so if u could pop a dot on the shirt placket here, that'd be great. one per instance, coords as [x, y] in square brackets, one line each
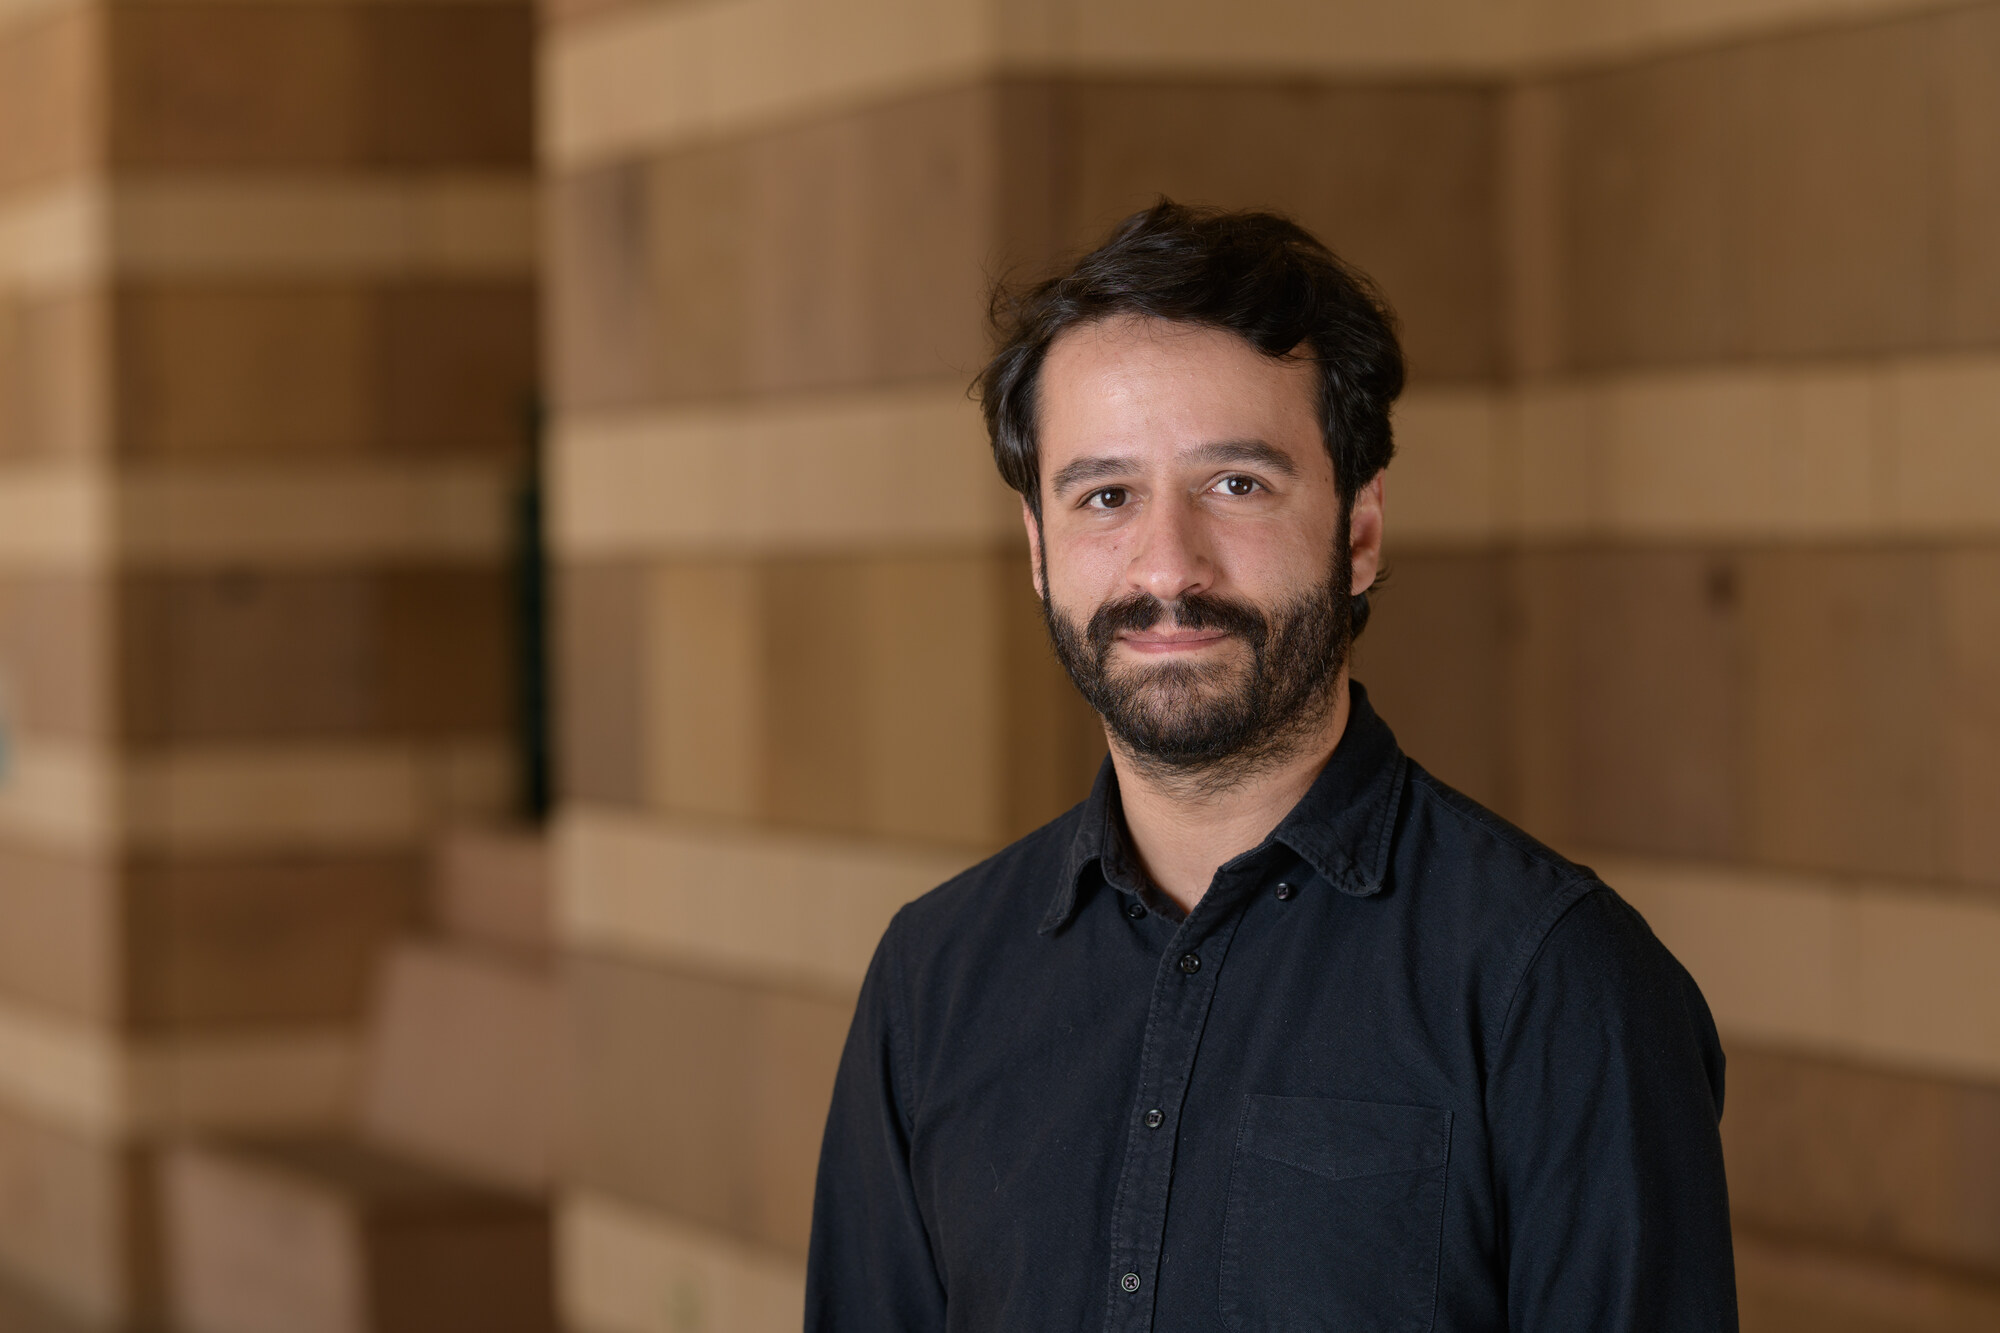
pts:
[1183, 991]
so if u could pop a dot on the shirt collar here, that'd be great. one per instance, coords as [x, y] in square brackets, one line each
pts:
[1342, 826]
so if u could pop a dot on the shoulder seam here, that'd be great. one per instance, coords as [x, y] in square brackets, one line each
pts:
[1472, 812]
[1535, 942]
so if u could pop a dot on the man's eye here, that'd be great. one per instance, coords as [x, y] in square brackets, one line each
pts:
[1111, 497]
[1238, 486]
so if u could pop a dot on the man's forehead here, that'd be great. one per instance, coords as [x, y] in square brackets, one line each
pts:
[1163, 388]
[1134, 336]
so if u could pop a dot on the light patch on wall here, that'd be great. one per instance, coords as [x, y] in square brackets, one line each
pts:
[467, 225]
[1842, 450]
[205, 516]
[1886, 973]
[94, 1079]
[621, 1269]
[754, 902]
[282, 797]
[881, 468]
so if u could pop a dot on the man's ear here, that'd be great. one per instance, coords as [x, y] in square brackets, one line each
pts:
[1034, 527]
[1364, 533]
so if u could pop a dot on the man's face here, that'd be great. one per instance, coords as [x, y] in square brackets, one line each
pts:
[1191, 555]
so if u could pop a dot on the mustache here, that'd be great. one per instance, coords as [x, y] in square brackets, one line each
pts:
[1195, 611]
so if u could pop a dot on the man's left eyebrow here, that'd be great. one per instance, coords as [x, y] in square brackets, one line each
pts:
[1255, 452]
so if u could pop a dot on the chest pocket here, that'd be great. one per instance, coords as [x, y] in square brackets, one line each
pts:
[1334, 1217]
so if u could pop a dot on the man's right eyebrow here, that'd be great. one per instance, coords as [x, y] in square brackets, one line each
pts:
[1091, 469]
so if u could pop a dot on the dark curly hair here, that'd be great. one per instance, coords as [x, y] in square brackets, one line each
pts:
[1258, 275]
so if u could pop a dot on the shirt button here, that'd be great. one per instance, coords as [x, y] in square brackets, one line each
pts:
[1154, 1119]
[1190, 963]
[1285, 892]
[1130, 1282]
[1135, 910]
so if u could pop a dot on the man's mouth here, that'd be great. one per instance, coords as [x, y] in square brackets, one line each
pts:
[1171, 640]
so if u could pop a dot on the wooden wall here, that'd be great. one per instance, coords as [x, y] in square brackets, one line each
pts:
[1694, 538]
[267, 347]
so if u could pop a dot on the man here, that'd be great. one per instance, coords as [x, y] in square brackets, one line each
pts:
[1275, 1031]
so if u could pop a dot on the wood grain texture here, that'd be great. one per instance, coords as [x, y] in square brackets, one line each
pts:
[1815, 193]
[786, 909]
[54, 375]
[51, 96]
[212, 942]
[310, 369]
[701, 1096]
[326, 1236]
[1866, 1157]
[617, 1260]
[465, 1066]
[73, 1228]
[849, 251]
[1785, 1286]
[269, 655]
[59, 946]
[56, 676]
[220, 86]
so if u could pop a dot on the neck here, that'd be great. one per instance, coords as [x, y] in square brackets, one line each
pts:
[1182, 830]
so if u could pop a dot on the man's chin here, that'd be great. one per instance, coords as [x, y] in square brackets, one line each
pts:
[1170, 687]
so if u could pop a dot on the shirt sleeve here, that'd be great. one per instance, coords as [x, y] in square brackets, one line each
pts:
[1603, 1106]
[870, 1268]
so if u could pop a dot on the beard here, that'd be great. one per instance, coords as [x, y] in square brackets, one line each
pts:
[1207, 725]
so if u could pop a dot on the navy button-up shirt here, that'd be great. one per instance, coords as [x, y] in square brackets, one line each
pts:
[1401, 1068]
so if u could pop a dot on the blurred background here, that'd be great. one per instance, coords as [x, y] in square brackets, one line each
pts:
[502, 591]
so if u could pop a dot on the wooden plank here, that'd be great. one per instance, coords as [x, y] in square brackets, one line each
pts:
[326, 1236]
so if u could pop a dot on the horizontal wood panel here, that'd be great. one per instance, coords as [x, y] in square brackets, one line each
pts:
[1706, 212]
[466, 1063]
[163, 945]
[72, 1230]
[700, 1095]
[425, 369]
[261, 656]
[50, 93]
[1785, 1285]
[624, 75]
[900, 695]
[331, 1233]
[854, 470]
[749, 902]
[846, 253]
[291, 225]
[1849, 450]
[295, 797]
[59, 936]
[55, 374]
[84, 1077]
[70, 521]
[219, 87]
[1890, 975]
[1858, 1157]
[627, 1269]
[1821, 708]
[56, 649]
[213, 944]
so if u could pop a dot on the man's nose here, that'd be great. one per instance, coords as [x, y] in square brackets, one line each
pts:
[1172, 558]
